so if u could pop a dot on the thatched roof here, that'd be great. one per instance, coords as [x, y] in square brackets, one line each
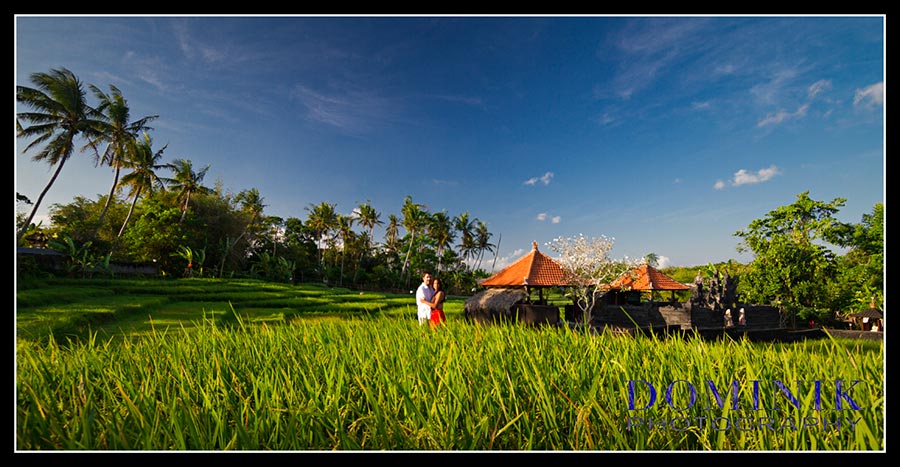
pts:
[647, 278]
[535, 269]
[495, 299]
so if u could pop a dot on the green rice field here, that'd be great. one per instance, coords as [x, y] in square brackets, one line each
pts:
[218, 365]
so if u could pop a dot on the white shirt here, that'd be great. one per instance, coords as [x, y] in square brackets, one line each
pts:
[424, 310]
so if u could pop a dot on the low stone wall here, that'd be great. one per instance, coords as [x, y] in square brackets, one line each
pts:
[629, 316]
[676, 315]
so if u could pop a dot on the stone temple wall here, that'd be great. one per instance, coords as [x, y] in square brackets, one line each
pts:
[680, 315]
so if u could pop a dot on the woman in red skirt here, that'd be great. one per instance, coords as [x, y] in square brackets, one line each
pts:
[437, 303]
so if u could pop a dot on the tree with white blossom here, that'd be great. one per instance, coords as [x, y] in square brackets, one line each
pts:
[588, 268]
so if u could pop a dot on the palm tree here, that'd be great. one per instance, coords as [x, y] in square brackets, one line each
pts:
[392, 231]
[144, 163]
[466, 228]
[345, 232]
[414, 217]
[117, 132]
[186, 182]
[252, 206]
[369, 218]
[482, 241]
[60, 115]
[391, 234]
[321, 220]
[441, 230]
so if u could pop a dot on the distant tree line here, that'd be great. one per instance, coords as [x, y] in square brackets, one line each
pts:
[163, 212]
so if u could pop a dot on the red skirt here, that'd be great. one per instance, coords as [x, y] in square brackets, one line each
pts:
[437, 316]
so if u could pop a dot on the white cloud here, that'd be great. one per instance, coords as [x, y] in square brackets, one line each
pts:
[818, 87]
[607, 119]
[544, 216]
[743, 177]
[782, 115]
[663, 262]
[725, 69]
[768, 95]
[471, 101]
[545, 179]
[344, 106]
[719, 185]
[871, 96]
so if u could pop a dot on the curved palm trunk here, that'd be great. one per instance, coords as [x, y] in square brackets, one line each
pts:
[358, 266]
[229, 247]
[130, 210]
[343, 254]
[109, 197]
[319, 247]
[496, 252]
[37, 203]
[187, 200]
[367, 252]
[412, 238]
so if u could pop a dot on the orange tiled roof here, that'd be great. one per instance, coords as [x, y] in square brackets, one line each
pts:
[534, 269]
[647, 278]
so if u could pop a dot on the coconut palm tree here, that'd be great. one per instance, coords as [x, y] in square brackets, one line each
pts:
[368, 217]
[144, 164]
[117, 132]
[252, 206]
[441, 231]
[482, 241]
[60, 114]
[466, 228]
[186, 183]
[392, 231]
[414, 218]
[321, 220]
[345, 232]
[391, 235]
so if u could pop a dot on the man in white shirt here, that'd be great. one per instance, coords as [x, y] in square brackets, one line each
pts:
[424, 294]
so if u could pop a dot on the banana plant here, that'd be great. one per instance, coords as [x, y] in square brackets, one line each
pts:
[78, 257]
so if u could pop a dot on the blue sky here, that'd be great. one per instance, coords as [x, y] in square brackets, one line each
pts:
[668, 134]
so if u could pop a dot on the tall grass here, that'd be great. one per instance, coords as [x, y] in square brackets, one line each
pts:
[383, 383]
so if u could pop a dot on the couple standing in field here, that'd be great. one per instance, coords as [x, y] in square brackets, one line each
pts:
[430, 300]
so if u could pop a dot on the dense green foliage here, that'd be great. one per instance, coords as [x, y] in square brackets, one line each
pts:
[794, 268]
